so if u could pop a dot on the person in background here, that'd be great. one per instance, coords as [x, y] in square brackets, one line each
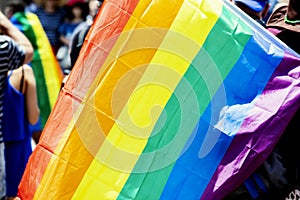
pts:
[15, 50]
[256, 9]
[81, 31]
[93, 7]
[76, 12]
[51, 14]
[20, 109]
[284, 23]
[79, 35]
[30, 6]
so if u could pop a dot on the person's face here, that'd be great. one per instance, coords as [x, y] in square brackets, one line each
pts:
[77, 11]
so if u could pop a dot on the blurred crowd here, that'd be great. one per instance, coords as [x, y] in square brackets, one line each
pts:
[60, 20]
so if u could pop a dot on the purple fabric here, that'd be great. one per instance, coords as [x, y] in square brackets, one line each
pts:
[255, 140]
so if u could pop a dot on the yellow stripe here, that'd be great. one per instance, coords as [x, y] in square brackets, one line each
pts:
[53, 77]
[119, 153]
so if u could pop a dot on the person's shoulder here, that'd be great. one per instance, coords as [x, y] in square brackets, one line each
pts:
[28, 72]
[28, 69]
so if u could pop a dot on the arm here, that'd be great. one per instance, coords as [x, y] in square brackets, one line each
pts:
[33, 111]
[64, 40]
[7, 28]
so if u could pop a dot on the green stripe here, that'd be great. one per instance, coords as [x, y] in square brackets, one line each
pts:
[42, 91]
[218, 46]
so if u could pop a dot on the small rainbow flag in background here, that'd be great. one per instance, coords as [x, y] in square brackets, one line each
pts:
[44, 63]
[168, 100]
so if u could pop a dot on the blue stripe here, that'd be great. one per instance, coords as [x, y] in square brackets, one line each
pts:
[246, 80]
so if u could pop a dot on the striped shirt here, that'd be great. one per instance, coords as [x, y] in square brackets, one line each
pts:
[11, 57]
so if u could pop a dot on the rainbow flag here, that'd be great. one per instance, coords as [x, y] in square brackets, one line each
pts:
[44, 63]
[168, 100]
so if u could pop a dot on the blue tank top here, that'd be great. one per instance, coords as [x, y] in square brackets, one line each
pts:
[15, 123]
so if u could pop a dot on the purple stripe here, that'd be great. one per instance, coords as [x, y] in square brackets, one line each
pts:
[255, 141]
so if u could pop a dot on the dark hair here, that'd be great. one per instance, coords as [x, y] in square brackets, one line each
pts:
[27, 2]
[84, 7]
[16, 6]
